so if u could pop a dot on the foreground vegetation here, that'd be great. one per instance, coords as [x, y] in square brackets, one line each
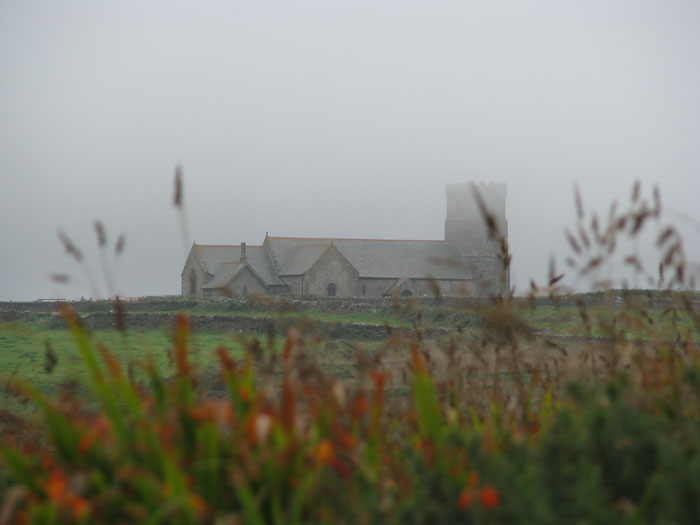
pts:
[422, 434]
[520, 411]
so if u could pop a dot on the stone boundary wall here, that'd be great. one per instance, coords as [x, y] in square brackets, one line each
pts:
[324, 304]
[159, 311]
[249, 325]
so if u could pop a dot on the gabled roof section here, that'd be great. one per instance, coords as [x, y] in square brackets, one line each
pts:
[224, 273]
[303, 258]
[213, 255]
[379, 258]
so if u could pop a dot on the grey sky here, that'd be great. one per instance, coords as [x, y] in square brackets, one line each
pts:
[330, 119]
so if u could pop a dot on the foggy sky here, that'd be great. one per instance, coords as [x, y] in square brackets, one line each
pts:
[317, 118]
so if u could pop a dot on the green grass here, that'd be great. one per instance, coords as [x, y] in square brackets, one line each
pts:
[567, 321]
[23, 351]
[23, 344]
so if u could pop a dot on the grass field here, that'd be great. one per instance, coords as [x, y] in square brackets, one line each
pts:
[27, 344]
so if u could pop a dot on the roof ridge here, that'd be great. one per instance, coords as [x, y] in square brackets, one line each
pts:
[355, 239]
[229, 245]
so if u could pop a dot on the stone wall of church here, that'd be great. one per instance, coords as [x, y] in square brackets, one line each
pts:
[374, 287]
[487, 273]
[188, 278]
[245, 283]
[332, 269]
[424, 287]
[419, 287]
[294, 282]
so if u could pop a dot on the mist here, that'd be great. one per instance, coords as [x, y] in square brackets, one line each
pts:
[327, 120]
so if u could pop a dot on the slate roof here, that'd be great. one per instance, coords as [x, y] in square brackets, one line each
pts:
[224, 273]
[303, 258]
[378, 258]
[213, 255]
[373, 258]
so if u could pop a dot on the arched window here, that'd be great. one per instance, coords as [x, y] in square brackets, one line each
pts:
[193, 282]
[332, 290]
[406, 293]
[245, 290]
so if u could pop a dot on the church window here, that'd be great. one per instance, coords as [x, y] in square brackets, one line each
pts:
[406, 293]
[332, 290]
[364, 289]
[193, 282]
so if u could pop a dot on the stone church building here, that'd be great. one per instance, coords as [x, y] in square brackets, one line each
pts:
[465, 263]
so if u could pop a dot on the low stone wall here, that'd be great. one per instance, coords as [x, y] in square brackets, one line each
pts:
[12, 315]
[246, 324]
[284, 303]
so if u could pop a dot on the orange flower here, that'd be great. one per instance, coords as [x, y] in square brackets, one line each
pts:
[324, 452]
[345, 438]
[489, 497]
[465, 498]
[56, 486]
[80, 507]
[197, 503]
[360, 405]
[86, 442]
[217, 411]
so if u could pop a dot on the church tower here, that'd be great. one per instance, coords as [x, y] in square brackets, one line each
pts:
[465, 225]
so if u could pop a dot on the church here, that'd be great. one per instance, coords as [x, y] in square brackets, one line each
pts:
[466, 262]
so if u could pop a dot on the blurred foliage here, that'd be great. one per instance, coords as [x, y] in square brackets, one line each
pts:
[297, 446]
